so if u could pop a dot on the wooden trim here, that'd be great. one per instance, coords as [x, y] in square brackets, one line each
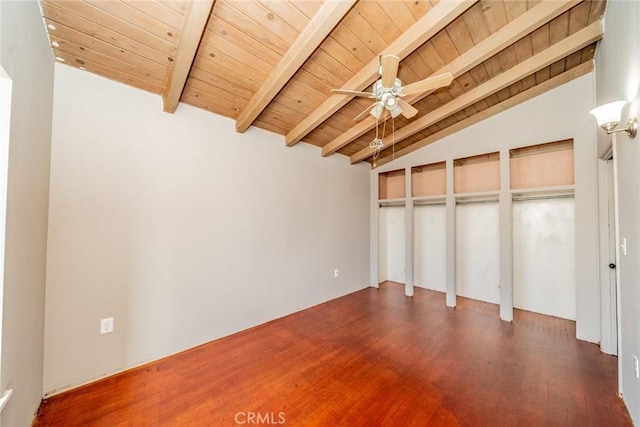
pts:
[323, 22]
[430, 24]
[195, 22]
[543, 87]
[396, 172]
[480, 158]
[429, 167]
[509, 34]
[548, 56]
[547, 147]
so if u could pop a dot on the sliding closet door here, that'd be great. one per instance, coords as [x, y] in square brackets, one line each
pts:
[391, 244]
[544, 256]
[430, 247]
[478, 251]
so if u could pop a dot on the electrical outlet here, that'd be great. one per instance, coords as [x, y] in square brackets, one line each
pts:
[636, 368]
[623, 246]
[336, 273]
[106, 325]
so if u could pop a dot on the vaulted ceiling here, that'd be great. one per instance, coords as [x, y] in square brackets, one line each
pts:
[273, 63]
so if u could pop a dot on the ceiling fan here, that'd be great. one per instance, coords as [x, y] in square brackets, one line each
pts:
[388, 90]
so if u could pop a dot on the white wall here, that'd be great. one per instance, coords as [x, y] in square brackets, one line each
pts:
[183, 230]
[562, 113]
[26, 57]
[618, 78]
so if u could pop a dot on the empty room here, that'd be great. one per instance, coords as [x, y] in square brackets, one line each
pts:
[319, 212]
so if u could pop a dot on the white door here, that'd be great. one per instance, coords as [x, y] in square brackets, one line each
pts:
[478, 251]
[391, 244]
[608, 289]
[544, 256]
[430, 247]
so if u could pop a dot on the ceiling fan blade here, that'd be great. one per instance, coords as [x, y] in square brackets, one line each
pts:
[377, 110]
[389, 65]
[365, 112]
[352, 92]
[431, 83]
[408, 110]
[396, 111]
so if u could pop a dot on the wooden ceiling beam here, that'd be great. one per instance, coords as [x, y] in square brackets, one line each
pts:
[532, 92]
[195, 22]
[555, 52]
[320, 26]
[433, 21]
[509, 34]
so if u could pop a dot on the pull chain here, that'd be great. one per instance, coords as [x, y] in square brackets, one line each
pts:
[393, 138]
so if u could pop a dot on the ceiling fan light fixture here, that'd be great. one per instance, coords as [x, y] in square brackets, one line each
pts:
[397, 87]
[388, 90]
[396, 111]
[390, 102]
[377, 90]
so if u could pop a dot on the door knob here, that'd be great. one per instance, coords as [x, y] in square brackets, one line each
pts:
[612, 265]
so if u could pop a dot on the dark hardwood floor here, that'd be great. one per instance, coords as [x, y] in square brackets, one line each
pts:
[372, 358]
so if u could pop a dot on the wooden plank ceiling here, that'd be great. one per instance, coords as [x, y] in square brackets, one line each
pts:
[272, 63]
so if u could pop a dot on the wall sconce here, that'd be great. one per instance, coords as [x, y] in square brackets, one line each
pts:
[608, 117]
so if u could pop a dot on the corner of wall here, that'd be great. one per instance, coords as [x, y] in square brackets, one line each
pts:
[26, 56]
[618, 78]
